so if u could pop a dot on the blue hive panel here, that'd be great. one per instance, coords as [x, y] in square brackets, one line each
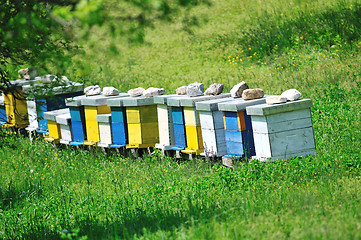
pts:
[3, 117]
[78, 131]
[233, 136]
[231, 121]
[119, 133]
[247, 120]
[118, 114]
[177, 115]
[179, 135]
[41, 107]
[76, 113]
[58, 101]
[248, 143]
[234, 148]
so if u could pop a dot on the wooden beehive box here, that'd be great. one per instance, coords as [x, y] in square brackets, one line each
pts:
[3, 117]
[238, 127]
[142, 122]
[94, 105]
[211, 119]
[47, 99]
[167, 136]
[105, 130]
[284, 130]
[64, 122]
[188, 122]
[54, 127]
[118, 122]
[77, 119]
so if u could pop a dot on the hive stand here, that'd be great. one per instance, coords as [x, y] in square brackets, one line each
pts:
[213, 135]
[64, 122]
[167, 138]
[51, 99]
[188, 120]
[238, 127]
[3, 117]
[284, 130]
[94, 105]
[105, 130]
[142, 122]
[54, 128]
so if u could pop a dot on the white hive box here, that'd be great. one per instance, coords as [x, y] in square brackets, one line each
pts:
[64, 121]
[284, 130]
[105, 130]
[211, 120]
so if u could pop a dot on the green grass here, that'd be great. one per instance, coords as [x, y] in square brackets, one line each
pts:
[313, 46]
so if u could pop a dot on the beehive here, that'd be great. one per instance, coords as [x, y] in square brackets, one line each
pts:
[47, 99]
[187, 120]
[64, 122]
[118, 123]
[105, 130]
[15, 105]
[94, 105]
[284, 130]
[167, 139]
[3, 117]
[142, 122]
[54, 127]
[77, 120]
[238, 127]
[213, 133]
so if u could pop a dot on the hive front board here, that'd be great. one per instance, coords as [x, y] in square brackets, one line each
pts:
[64, 121]
[165, 122]
[94, 105]
[284, 130]
[211, 120]
[186, 119]
[54, 127]
[142, 122]
[238, 127]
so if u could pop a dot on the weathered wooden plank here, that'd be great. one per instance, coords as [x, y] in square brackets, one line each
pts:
[64, 119]
[98, 100]
[260, 125]
[165, 123]
[239, 104]
[265, 109]
[163, 99]
[32, 114]
[211, 105]
[104, 118]
[214, 142]
[65, 131]
[105, 133]
[137, 101]
[51, 115]
[187, 101]
[211, 120]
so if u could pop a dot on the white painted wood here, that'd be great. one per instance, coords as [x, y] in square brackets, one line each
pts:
[286, 116]
[105, 133]
[165, 123]
[211, 120]
[32, 114]
[288, 142]
[262, 145]
[98, 100]
[239, 104]
[65, 131]
[214, 142]
[51, 115]
[137, 101]
[104, 118]
[261, 126]
[64, 119]
[288, 155]
[265, 109]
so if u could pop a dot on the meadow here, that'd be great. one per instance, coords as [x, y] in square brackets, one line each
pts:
[313, 46]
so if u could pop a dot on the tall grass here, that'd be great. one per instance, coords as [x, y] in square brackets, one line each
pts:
[48, 193]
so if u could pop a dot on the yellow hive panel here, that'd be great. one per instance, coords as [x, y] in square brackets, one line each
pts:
[224, 121]
[16, 109]
[54, 129]
[90, 113]
[194, 137]
[148, 114]
[241, 121]
[103, 109]
[133, 114]
[134, 133]
[92, 131]
[191, 117]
